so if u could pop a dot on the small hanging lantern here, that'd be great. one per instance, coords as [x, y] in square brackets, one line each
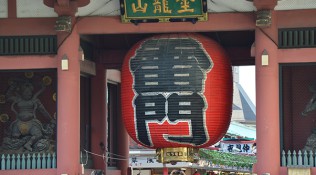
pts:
[176, 94]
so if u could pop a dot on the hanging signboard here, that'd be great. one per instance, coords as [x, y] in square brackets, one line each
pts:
[247, 147]
[139, 11]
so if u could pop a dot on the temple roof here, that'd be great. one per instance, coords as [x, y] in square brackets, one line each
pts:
[30, 8]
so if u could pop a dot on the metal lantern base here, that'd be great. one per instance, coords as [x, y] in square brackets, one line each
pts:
[179, 154]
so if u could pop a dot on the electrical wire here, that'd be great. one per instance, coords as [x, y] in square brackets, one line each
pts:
[108, 157]
[267, 36]
[115, 154]
[72, 27]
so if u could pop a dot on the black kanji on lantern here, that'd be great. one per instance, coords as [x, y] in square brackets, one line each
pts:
[169, 65]
[169, 76]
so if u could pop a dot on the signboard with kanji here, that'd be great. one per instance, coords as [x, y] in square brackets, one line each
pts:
[247, 147]
[138, 11]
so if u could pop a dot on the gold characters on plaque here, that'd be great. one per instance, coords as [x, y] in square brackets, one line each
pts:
[161, 7]
[177, 154]
[185, 6]
[140, 7]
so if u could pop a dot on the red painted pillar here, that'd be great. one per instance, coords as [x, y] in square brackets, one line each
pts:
[267, 101]
[98, 116]
[123, 144]
[165, 171]
[68, 118]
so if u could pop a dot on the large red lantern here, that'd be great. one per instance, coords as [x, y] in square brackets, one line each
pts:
[176, 91]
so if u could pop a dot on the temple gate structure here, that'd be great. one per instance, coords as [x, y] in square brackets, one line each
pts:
[60, 63]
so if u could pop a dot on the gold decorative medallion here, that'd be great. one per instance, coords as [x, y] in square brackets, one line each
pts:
[24, 128]
[47, 80]
[179, 154]
[2, 99]
[29, 74]
[55, 97]
[4, 118]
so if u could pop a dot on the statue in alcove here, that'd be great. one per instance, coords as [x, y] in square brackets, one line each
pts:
[26, 132]
[311, 106]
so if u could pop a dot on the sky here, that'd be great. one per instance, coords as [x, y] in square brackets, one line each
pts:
[247, 79]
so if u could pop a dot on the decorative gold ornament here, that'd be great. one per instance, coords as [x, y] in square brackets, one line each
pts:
[180, 154]
[29, 74]
[55, 97]
[47, 80]
[24, 128]
[4, 118]
[2, 99]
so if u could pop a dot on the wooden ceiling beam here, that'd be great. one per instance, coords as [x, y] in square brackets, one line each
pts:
[216, 22]
[240, 56]
[114, 58]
